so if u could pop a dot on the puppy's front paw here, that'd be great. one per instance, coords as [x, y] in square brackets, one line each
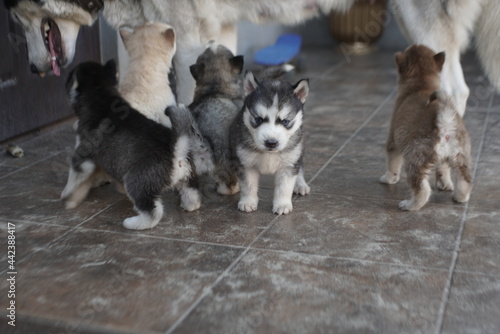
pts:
[408, 205]
[302, 189]
[283, 208]
[445, 185]
[190, 199]
[461, 198]
[70, 204]
[248, 204]
[389, 178]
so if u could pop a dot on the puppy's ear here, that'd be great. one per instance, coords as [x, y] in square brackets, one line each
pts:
[401, 61]
[169, 36]
[439, 60]
[237, 64]
[249, 83]
[125, 35]
[197, 71]
[301, 89]
[110, 68]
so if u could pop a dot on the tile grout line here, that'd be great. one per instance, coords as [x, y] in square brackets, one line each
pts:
[208, 290]
[447, 289]
[341, 148]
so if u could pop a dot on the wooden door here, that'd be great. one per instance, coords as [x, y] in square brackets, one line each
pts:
[28, 102]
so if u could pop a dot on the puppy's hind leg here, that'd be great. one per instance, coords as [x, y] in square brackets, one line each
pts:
[190, 195]
[418, 180]
[394, 163]
[284, 182]
[301, 187]
[145, 193]
[79, 183]
[464, 182]
[227, 182]
[443, 177]
[150, 213]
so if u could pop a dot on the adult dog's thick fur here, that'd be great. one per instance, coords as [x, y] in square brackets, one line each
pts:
[195, 23]
[447, 25]
[140, 154]
[426, 131]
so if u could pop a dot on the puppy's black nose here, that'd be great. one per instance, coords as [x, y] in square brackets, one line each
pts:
[33, 68]
[271, 143]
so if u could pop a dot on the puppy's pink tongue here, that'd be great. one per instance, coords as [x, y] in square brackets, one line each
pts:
[55, 66]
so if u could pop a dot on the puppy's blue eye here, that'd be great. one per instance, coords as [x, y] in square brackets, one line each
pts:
[258, 120]
[285, 122]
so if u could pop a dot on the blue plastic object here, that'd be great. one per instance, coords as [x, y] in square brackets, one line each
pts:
[286, 48]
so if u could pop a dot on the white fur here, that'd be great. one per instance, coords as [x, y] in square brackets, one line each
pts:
[181, 166]
[418, 200]
[195, 22]
[190, 199]
[144, 220]
[145, 85]
[78, 185]
[426, 22]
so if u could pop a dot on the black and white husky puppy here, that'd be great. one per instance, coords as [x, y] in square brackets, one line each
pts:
[142, 155]
[266, 138]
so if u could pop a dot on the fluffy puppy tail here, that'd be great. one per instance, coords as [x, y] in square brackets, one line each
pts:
[487, 34]
[184, 124]
[182, 120]
[274, 72]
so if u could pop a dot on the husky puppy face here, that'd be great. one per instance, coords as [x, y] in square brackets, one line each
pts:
[273, 111]
[51, 29]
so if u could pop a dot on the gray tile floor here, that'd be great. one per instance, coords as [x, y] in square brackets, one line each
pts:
[346, 260]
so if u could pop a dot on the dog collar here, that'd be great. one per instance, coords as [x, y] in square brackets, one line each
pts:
[91, 6]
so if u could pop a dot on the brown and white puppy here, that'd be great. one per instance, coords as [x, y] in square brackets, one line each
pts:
[426, 131]
[145, 86]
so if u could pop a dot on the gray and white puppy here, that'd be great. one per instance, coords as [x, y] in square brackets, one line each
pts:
[267, 138]
[217, 100]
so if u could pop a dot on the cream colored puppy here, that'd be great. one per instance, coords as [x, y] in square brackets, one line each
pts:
[145, 86]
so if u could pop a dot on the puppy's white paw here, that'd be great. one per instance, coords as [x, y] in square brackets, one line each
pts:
[302, 189]
[408, 205]
[461, 198]
[248, 204]
[445, 185]
[190, 199]
[223, 189]
[389, 178]
[283, 208]
[139, 222]
[71, 205]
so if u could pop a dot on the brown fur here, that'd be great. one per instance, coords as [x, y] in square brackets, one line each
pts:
[426, 131]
